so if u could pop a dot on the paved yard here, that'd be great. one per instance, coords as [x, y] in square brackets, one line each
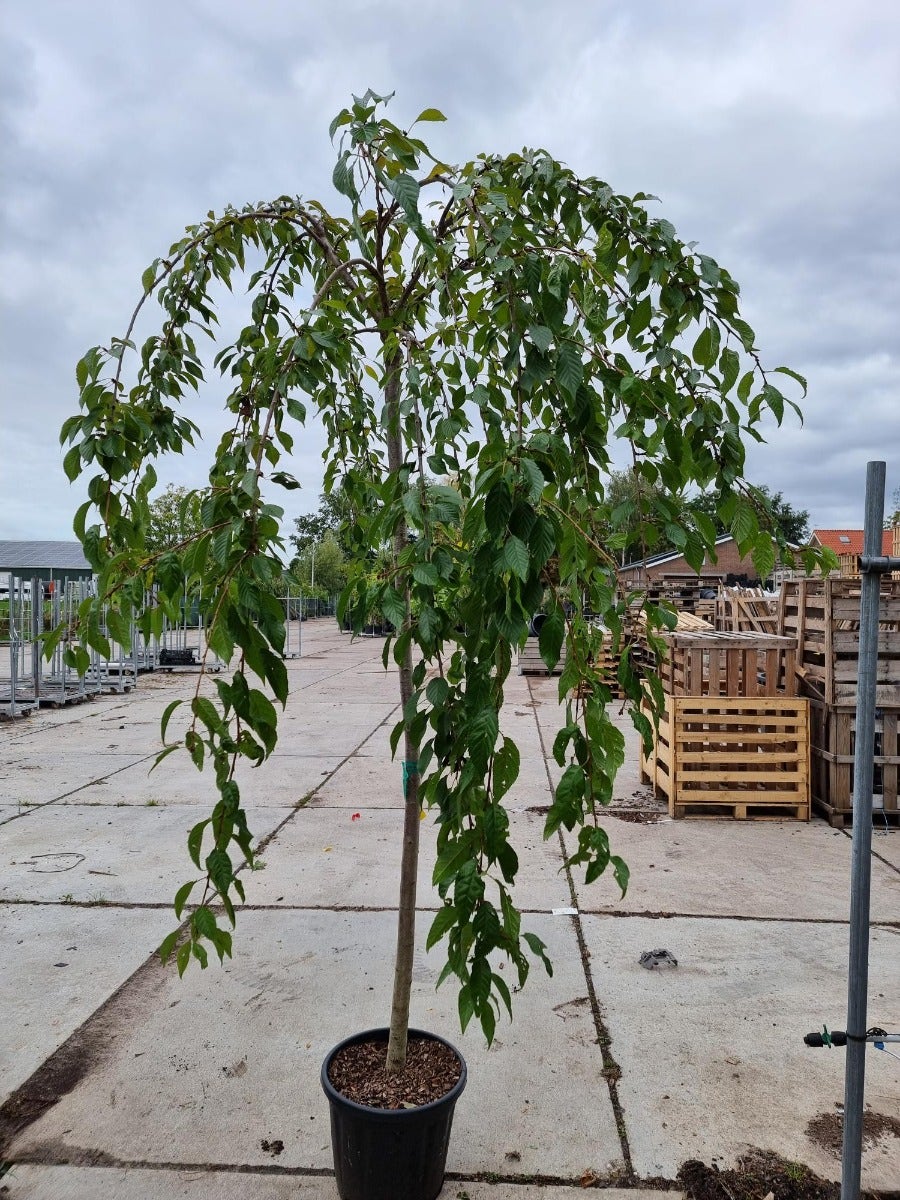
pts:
[119, 1080]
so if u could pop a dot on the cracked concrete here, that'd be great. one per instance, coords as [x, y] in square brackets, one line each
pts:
[122, 1081]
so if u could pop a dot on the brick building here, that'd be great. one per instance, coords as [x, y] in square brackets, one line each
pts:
[729, 566]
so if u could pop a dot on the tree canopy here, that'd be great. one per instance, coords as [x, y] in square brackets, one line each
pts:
[501, 323]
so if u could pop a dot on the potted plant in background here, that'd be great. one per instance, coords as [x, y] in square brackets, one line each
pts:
[496, 327]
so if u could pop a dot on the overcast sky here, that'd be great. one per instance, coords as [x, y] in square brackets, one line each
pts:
[770, 132]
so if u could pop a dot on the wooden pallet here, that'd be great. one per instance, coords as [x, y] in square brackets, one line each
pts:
[833, 744]
[740, 756]
[746, 610]
[531, 663]
[840, 818]
[743, 812]
[729, 664]
[823, 614]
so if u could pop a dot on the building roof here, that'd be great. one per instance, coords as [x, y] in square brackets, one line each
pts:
[656, 560]
[60, 558]
[848, 541]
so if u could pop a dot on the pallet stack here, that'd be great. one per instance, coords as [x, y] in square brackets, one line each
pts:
[733, 739]
[823, 614]
[745, 610]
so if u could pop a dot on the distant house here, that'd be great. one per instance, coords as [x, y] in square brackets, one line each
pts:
[48, 561]
[847, 541]
[847, 544]
[729, 566]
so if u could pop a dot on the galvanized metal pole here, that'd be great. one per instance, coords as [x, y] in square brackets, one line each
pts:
[861, 870]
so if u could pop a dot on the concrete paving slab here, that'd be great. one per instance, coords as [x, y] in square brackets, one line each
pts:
[281, 783]
[715, 1062]
[115, 1183]
[887, 846]
[787, 869]
[65, 853]
[66, 962]
[41, 779]
[226, 1057]
[324, 858]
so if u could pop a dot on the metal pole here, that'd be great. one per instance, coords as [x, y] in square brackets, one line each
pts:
[861, 869]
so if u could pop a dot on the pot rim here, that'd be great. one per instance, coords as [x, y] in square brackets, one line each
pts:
[392, 1114]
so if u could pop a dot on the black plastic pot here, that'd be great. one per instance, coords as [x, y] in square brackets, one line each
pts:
[537, 624]
[390, 1154]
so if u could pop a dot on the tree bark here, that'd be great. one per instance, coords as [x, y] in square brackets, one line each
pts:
[409, 866]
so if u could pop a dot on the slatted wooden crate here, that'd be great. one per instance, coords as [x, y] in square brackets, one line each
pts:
[728, 664]
[531, 663]
[736, 757]
[823, 614]
[744, 610]
[833, 743]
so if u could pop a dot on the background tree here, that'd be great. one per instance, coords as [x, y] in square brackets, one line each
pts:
[501, 323]
[334, 515]
[321, 567]
[791, 523]
[173, 518]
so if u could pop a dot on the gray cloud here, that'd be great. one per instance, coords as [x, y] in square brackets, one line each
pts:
[769, 132]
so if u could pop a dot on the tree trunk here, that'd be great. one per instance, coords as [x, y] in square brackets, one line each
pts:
[409, 866]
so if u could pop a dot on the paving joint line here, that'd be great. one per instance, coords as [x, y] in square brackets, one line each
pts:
[152, 905]
[612, 1072]
[848, 833]
[33, 808]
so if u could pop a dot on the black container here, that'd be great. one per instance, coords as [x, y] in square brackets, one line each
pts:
[537, 624]
[390, 1154]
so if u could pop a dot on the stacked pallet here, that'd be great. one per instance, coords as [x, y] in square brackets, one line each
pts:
[823, 614]
[744, 610]
[733, 739]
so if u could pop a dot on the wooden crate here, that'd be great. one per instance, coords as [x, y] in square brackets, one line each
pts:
[744, 610]
[531, 663]
[833, 743]
[823, 614]
[729, 664]
[733, 756]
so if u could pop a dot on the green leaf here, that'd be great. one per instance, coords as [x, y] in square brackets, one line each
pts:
[342, 177]
[405, 191]
[183, 957]
[793, 374]
[426, 573]
[539, 949]
[730, 366]
[466, 1005]
[542, 540]
[542, 337]
[706, 347]
[550, 638]
[72, 464]
[621, 872]
[515, 556]
[437, 692]
[506, 767]
[168, 945]
[641, 317]
[482, 731]
[181, 898]
[445, 919]
[569, 369]
[430, 114]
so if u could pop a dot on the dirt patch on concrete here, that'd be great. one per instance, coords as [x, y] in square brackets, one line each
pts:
[755, 1177]
[827, 1130]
